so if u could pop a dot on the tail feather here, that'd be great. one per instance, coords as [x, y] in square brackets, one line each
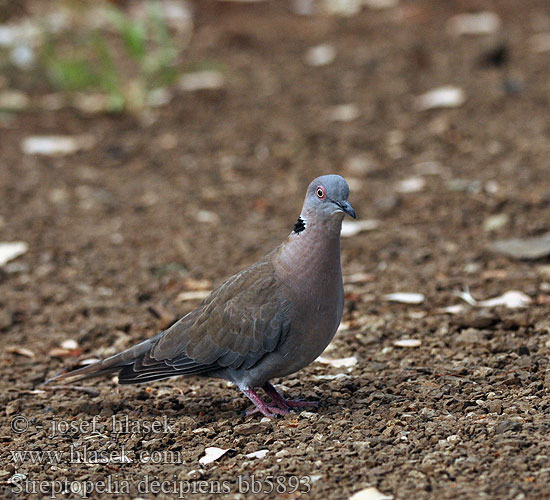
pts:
[106, 366]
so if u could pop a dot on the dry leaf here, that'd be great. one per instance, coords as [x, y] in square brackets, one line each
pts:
[512, 299]
[370, 493]
[193, 295]
[351, 228]
[405, 297]
[408, 343]
[338, 363]
[257, 454]
[212, 454]
[22, 351]
[442, 97]
[11, 250]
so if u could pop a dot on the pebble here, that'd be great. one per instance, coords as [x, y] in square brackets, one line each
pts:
[344, 113]
[495, 222]
[13, 100]
[320, 55]
[248, 429]
[469, 336]
[523, 248]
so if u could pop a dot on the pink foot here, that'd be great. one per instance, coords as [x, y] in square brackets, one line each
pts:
[281, 402]
[262, 407]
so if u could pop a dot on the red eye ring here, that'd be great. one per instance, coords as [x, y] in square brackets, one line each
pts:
[320, 192]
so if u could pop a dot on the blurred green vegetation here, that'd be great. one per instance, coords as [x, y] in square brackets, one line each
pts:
[124, 60]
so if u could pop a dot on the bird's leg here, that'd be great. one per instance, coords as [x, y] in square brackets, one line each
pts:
[261, 405]
[281, 402]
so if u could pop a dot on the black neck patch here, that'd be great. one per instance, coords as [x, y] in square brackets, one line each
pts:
[299, 226]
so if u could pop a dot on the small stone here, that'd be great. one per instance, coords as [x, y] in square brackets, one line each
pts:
[344, 113]
[495, 222]
[526, 248]
[248, 429]
[13, 100]
[320, 55]
[469, 336]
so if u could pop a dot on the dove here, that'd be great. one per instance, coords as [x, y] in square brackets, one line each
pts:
[268, 321]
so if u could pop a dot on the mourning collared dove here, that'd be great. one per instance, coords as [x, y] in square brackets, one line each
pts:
[268, 321]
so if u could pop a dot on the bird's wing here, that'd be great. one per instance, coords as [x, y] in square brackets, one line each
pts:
[235, 326]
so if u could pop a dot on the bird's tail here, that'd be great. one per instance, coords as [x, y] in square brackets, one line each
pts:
[105, 366]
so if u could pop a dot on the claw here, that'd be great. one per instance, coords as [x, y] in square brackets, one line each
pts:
[281, 402]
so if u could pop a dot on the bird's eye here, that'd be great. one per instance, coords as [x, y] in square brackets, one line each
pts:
[320, 192]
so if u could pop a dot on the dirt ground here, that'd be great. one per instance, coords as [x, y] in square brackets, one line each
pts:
[203, 187]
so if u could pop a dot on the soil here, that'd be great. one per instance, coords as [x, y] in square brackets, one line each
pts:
[193, 192]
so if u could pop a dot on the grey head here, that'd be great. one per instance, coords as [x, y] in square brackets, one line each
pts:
[327, 197]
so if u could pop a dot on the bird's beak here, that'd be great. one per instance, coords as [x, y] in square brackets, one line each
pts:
[347, 208]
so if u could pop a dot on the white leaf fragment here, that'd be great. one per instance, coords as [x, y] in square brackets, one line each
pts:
[344, 8]
[344, 113]
[442, 97]
[512, 299]
[338, 363]
[22, 351]
[193, 295]
[370, 494]
[405, 297]
[381, 4]
[257, 454]
[11, 250]
[56, 144]
[211, 454]
[411, 185]
[14, 100]
[407, 343]
[332, 377]
[201, 80]
[456, 309]
[320, 55]
[351, 228]
[477, 23]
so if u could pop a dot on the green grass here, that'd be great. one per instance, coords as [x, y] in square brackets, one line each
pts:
[124, 62]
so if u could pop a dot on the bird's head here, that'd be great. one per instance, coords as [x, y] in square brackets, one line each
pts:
[327, 197]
